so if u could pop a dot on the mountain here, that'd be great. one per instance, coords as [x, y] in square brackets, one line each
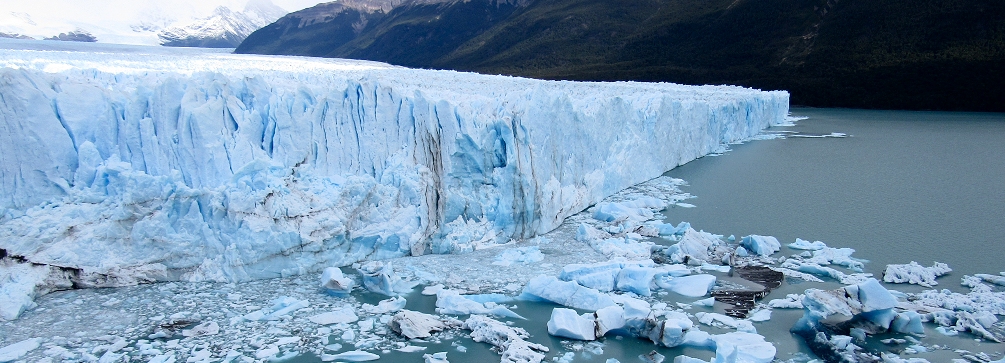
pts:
[224, 29]
[150, 22]
[896, 54]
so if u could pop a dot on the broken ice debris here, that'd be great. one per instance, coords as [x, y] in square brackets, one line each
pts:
[522, 255]
[453, 303]
[412, 324]
[342, 315]
[356, 356]
[913, 273]
[379, 277]
[440, 357]
[281, 306]
[510, 341]
[17, 350]
[334, 282]
[386, 306]
[691, 286]
[801, 244]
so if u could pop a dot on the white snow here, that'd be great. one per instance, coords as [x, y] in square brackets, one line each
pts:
[244, 167]
[129, 22]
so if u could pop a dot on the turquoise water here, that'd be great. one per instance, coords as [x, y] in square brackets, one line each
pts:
[904, 186]
[901, 187]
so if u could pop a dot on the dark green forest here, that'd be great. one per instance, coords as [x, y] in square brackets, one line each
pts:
[886, 54]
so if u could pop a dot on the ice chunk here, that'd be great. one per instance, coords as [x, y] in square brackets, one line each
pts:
[281, 306]
[868, 301]
[638, 210]
[508, 340]
[356, 356]
[670, 332]
[760, 315]
[440, 357]
[568, 324]
[699, 246]
[204, 329]
[17, 350]
[566, 293]
[600, 276]
[342, 315]
[742, 347]
[636, 279]
[522, 255]
[452, 302]
[412, 324]
[791, 301]
[607, 319]
[333, 281]
[692, 286]
[386, 306]
[761, 245]
[913, 273]
[908, 322]
[705, 302]
[380, 277]
[801, 244]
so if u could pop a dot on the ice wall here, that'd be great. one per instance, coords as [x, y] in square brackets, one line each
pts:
[129, 167]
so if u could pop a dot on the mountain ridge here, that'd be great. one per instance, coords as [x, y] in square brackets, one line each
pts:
[899, 54]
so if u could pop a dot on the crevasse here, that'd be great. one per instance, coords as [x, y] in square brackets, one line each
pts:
[132, 167]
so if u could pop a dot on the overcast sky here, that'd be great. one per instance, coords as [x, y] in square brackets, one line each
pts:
[90, 8]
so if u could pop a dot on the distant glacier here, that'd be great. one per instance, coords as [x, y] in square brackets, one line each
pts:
[127, 167]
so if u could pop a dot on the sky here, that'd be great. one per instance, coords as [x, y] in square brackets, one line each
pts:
[110, 20]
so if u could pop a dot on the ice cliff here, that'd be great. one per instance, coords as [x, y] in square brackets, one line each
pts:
[130, 167]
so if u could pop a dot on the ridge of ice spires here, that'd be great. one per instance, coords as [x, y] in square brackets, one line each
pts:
[139, 167]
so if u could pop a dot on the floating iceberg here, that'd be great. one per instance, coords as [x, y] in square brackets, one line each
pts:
[220, 167]
[913, 273]
[510, 341]
[761, 245]
[333, 281]
[412, 324]
[566, 293]
[567, 323]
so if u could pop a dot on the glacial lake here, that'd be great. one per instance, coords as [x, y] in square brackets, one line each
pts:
[899, 186]
[902, 186]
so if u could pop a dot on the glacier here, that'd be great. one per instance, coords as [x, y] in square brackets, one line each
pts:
[126, 166]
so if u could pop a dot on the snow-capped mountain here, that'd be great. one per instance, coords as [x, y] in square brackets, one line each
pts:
[225, 28]
[221, 23]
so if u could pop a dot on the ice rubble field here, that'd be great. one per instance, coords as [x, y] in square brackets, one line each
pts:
[123, 167]
[374, 311]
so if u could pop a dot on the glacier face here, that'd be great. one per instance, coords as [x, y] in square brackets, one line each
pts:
[130, 167]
